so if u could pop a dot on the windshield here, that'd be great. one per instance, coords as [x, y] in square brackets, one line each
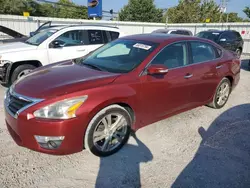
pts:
[209, 35]
[119, 56]
[41, 36]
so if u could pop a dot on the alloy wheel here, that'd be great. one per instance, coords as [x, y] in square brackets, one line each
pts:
[110, 132]
[223, 93]
[24, 72]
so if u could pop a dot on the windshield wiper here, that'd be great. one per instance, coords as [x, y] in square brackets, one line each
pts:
[93, 66]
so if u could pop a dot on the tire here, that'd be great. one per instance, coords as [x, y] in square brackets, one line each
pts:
[19, 70]
[96, 147]
[238, 52]
[215, 103]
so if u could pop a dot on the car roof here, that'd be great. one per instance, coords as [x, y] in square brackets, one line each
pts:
[217, 31]
[160, 38]
[166, 30]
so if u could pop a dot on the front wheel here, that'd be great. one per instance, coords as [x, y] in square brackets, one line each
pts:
[221, 95]
[108, 131]
[238, 52]
[20, 71]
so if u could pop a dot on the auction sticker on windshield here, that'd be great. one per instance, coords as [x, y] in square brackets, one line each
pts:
[142, 46]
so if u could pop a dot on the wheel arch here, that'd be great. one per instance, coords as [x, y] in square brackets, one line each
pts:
[14, 65]
[231, 79]
[123, 103]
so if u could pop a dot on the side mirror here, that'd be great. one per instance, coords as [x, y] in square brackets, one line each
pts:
[157, 70]
[223, 40]
[32, 34]
[57, 44]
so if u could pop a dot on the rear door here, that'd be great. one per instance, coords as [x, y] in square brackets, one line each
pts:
[226, 41]
[169, 93]
[205, 63]
[95, 39]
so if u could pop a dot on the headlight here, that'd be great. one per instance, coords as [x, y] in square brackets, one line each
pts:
[65, 109]
[5, 62]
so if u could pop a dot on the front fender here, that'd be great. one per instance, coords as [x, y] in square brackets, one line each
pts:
[112, 95]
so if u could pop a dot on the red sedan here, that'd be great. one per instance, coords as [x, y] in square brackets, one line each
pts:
[96, 102]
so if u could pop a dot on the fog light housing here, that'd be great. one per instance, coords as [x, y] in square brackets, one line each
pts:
[49, 142]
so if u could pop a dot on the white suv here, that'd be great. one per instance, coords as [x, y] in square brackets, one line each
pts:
[52, 45]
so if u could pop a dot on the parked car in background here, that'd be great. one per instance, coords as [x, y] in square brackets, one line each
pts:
[174, 31]
[51, 45]
[8, 35]
[124, 85]
[14, 36]
[228, 39]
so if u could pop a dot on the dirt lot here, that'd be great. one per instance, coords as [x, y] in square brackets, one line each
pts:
[200, 148]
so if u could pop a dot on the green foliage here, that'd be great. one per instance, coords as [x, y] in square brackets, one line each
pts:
[141, 11]
[67, 10]
[196, 11]
[193, 11]
[232, 17]
[247, 11]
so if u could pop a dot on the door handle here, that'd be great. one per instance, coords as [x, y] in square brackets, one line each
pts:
[81, 50]
[188, 76]
[219, 66]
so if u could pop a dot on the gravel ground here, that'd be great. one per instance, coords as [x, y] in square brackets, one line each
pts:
[199, 148]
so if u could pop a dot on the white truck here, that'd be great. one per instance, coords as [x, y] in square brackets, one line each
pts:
[52, 45]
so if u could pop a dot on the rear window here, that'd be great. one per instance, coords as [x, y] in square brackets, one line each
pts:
[214, 36]
[238, 35]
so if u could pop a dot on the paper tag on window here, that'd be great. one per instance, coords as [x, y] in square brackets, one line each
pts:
[142, 46]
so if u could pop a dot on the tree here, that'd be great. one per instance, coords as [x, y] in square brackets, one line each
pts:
[209, 10]
[247, 11]
[187, 11]
[193, 11]
[66, 9]
[232, 17]
[141, 11]
[11, 7]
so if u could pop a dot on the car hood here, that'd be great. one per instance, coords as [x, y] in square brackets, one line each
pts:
[15, 47]
[60, 79]
[11, 32]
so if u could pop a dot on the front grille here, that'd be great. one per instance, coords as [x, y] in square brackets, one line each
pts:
[14, 103]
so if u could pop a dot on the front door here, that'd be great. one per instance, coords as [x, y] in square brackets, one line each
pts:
[169, 93]
[76, 43]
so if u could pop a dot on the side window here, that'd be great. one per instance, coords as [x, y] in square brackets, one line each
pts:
[95, 37]
[114, 35]
[108, 36]
[186, 33]
[226, 36]
[73, 38]
[202, 52]
[174, 32]
[172, 56]
[232, 36]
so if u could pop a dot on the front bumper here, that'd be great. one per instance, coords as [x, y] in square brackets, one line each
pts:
[23, 132]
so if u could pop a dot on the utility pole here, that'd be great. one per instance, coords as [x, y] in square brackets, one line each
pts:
[223, 8]
[165, 10]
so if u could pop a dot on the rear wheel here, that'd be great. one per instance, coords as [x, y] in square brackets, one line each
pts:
[108, 131]
[20, 71]
[222, 94]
